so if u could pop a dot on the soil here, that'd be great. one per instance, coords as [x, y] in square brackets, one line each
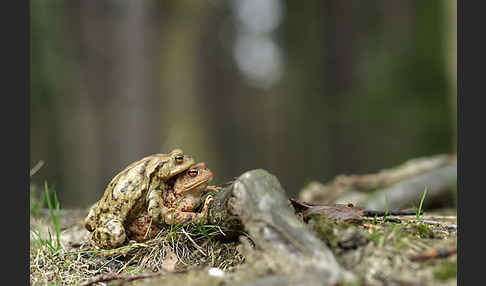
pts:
[396, 250]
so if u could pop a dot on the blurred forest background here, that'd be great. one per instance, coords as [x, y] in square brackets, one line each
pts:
[305, 90]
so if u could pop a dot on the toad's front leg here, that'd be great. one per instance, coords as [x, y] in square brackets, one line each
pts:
[156, 208]
[175, 216]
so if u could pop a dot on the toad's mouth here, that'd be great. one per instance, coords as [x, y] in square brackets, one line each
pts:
[188, 186]
[196, 184]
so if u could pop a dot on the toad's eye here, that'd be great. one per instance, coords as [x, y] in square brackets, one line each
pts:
[193, 172]
[161, 164]
[179, 159]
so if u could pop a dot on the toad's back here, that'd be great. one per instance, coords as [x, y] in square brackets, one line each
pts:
[126, 192]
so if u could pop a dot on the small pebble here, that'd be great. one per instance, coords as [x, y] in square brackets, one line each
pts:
[213, 271]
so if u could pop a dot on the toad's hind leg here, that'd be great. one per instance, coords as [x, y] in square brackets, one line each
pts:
[180, 217]
[109, 236]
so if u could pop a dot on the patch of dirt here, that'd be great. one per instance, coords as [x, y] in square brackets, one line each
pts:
[398, 250]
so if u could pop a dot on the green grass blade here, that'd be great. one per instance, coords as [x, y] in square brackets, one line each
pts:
[57, 223]
[171, 224]
[49, 242]
[48, 198]
[41, 241]
[421, 202]
[54, 217]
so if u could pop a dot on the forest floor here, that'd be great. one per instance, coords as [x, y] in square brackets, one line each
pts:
[395, 250]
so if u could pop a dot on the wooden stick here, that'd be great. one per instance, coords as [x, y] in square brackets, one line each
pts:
[114, 276]
[435, 253]
[36, 167]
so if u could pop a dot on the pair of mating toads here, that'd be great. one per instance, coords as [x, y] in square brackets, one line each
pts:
[160, 188]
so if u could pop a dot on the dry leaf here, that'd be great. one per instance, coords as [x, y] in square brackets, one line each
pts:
[170, 261]
[337, 212]
[334, 212]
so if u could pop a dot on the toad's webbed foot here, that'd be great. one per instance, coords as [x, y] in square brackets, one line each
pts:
[213, 188]
[174, 216]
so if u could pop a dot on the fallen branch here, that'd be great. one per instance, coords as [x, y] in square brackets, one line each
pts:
[395, 188]
[114, 276]
[36, 168]
[435, 253]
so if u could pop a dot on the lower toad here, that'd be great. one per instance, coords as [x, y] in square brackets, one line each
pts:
[182, 196]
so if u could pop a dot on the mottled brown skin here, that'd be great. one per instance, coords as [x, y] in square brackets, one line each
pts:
[187, 194]
[182, 196]
[136, 189]
[142, 228]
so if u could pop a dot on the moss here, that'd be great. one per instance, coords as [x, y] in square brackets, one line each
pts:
[446, 270]
[421, 230]
[391, 233]
[378, 237]
[343, 282]
[327, 230]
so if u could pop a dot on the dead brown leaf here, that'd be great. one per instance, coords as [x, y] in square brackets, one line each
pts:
[336, 212]
[170, 261]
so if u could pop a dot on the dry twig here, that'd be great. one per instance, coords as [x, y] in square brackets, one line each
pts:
[113, 276]
[36, 167]
[435, 253]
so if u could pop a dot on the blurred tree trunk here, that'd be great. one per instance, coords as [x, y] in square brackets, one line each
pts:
[45, 68]
[56, 121]
[219, 86]
[247, 121]
[341, 35]
[318, 88]
[304, 99]
[183, 123]
[113, 101]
